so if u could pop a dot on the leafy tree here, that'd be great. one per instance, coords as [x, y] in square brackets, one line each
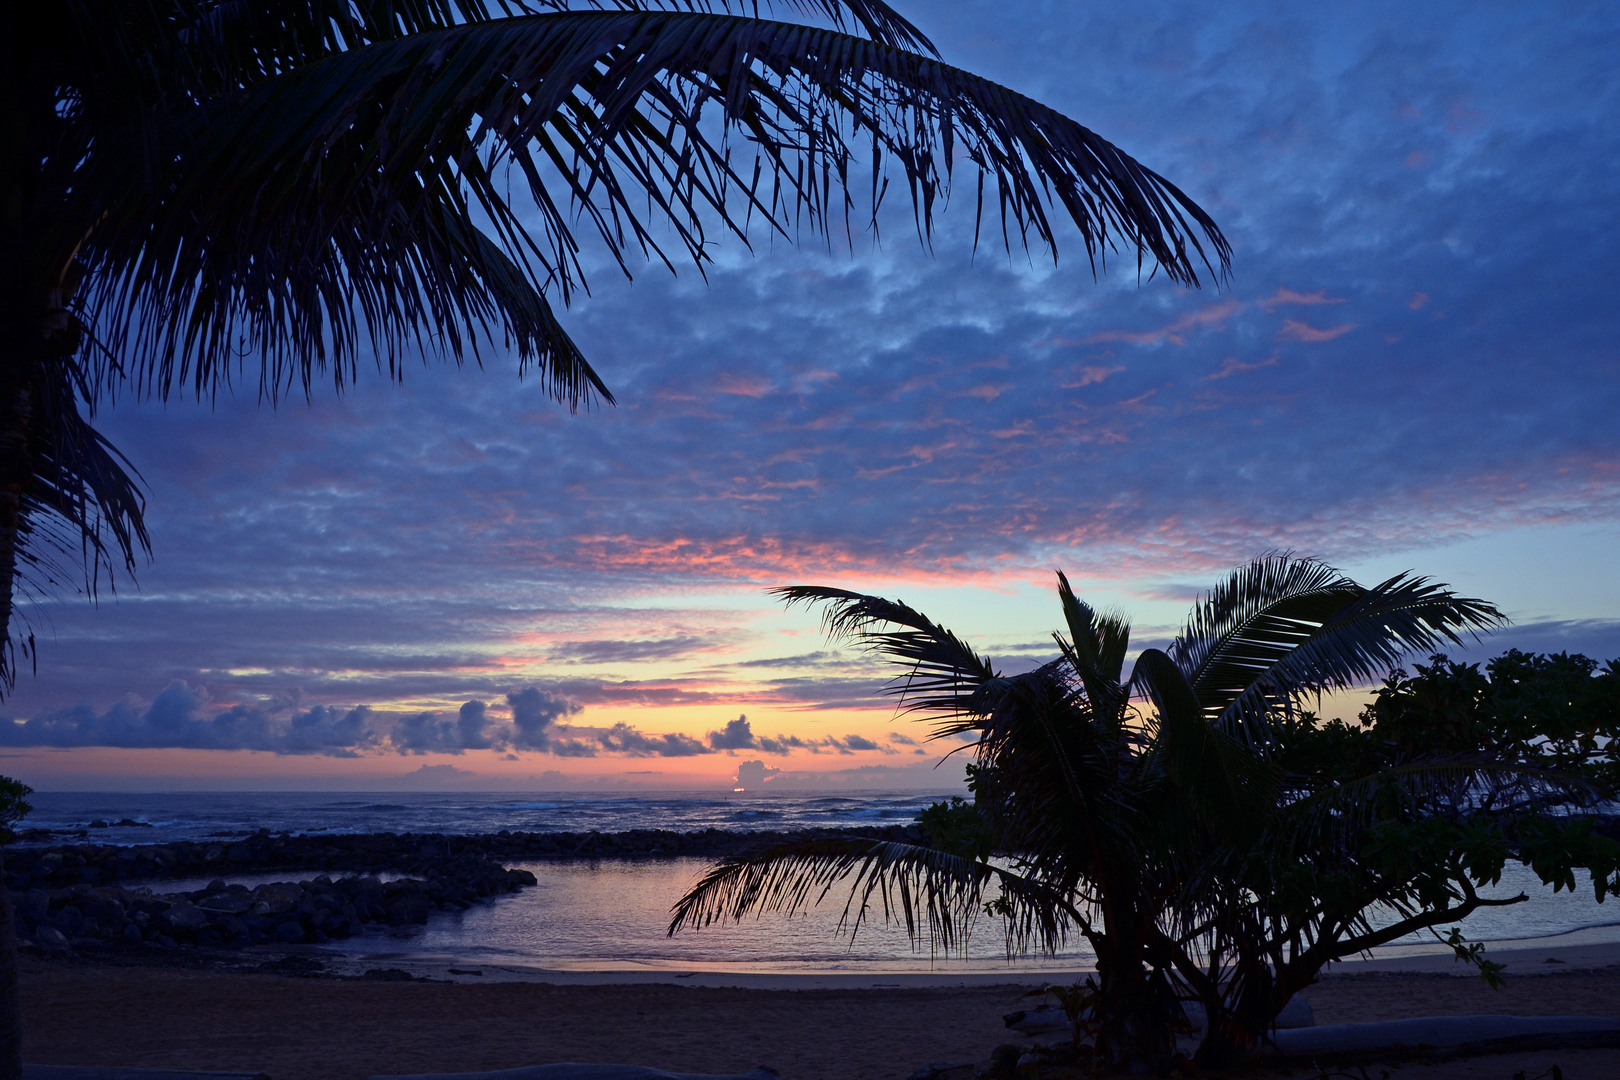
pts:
[1110, 800]
[1451, 773]
[192, 183]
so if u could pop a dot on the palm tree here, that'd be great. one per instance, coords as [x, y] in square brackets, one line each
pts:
[191, 183]
[1106, 797]
[195, 182]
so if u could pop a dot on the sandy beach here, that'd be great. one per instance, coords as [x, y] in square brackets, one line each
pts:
[291, 1028]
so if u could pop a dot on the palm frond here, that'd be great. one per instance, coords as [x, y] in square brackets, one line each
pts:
[942, 676]
[1096, 647]
[291, 215]
[937, 896]
[1363, 640]
[1284, 626]
[82, 503]
[1221, 781]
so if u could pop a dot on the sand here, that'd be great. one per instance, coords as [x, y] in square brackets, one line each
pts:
[76, 1012]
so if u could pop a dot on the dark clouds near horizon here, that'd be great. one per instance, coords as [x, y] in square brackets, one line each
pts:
[1419, 341]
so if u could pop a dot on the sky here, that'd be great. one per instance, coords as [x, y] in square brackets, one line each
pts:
[454, 582]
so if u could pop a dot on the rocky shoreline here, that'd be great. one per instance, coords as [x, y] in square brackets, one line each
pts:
[91, 897]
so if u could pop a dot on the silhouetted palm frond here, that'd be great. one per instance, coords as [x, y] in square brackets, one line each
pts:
[942, 676]
[340, 196]
[935, 895]
[1283, 626]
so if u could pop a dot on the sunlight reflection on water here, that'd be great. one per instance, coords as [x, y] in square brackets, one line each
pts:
[610, 914]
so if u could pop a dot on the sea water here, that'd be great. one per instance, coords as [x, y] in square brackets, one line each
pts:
[614, 914]
[199, 815]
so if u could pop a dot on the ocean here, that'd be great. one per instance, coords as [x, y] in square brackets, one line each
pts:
[611, 915]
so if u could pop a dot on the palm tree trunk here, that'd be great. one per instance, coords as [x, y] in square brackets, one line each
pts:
[10, 991]
[1133, 1012]
[15, 413]
[13, 480]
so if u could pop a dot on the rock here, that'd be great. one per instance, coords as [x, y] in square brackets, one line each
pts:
[1004, 1061]
[228, 903]
[388, 975]
[184, 917]
[276, 899]
[411, 908]
[51, 938]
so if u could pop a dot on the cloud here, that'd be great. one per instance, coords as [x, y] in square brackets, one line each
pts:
[737, 735]
[180, 717]
[1293, 330]
[753, 775]
[533, 712]
[1234, 366]
[623, 739]
[471, 720]
[431, 776]
[858, 452]
[620, 652]
[1283, 297]
[1174, 332]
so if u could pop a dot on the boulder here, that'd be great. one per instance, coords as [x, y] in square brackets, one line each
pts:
[184, 917]
[228, 903]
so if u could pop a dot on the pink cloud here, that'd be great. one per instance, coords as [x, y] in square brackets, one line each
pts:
[1418, 301]
[1234, 366]
[1293, 330]
[749, 386]
[1089, 375]
[1174, 333]
[1289, 296]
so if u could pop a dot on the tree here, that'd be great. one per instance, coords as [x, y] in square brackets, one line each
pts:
[1449, 774]
[1111, 801]
[193, 183]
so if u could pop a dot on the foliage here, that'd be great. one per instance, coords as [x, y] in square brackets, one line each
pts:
[1559, 711]
[14, 806]
[1137, 812]
[955, 826]
[203, 193]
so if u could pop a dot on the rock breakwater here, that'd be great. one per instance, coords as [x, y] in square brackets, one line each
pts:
[98, 896]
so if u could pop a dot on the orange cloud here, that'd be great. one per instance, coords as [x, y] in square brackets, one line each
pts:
[1293, 330]
[1418, 301]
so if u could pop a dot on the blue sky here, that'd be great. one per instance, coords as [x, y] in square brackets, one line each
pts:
[1414, 366]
